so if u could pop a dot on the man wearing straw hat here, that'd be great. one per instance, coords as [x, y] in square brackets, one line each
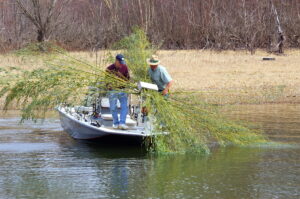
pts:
[120, 70]
[159, 75]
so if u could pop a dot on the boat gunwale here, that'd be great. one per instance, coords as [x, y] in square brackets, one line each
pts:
[103, 129]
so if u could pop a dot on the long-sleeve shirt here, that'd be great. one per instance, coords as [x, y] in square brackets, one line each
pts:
[121, 71]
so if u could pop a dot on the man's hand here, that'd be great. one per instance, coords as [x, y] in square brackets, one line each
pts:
[164, 92]
[168, 86]
[108, 86]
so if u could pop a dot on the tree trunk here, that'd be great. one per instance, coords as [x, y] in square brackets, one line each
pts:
[41, 36]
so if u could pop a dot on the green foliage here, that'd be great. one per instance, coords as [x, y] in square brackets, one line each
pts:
[170, 116]
[8, 74]
[136, 49]
[64, 80]
[2, 70]
[191, 125]
[39, 48]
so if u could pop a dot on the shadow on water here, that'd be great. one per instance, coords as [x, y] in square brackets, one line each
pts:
[110, 147]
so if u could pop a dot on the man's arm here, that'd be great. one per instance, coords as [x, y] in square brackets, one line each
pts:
[166, 78]
[109, 71]
[168, 86]
[127, 73]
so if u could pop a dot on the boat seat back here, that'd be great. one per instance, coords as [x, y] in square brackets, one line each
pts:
[105, 103]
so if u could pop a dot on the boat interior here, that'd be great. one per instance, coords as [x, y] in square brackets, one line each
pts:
[99, 114]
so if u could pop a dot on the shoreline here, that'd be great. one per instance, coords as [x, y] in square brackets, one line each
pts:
[296, 102]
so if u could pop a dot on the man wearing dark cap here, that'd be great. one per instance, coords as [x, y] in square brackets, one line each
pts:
[120, 69]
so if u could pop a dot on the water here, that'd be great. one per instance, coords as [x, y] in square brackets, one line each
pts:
[41, 161]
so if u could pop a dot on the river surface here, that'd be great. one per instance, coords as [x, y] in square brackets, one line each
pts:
[42, 161]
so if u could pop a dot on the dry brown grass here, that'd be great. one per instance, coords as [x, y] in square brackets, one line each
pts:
[12, 60]
[220, 77]
[236, 76]
[229, 69]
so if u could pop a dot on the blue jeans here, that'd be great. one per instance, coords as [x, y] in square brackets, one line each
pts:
[113, 99]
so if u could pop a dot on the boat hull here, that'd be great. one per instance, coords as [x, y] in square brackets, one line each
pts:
[82, 130]
[78, 131]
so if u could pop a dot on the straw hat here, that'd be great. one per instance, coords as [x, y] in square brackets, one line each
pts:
[153, 60]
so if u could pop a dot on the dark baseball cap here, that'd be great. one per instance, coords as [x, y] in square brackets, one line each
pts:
[121, 58]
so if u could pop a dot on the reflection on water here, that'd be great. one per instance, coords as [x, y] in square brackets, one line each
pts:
[26, 147]
[281, 122]
[41, 161]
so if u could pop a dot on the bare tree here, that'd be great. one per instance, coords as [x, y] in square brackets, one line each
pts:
[172, 24]
[280, 37]
[44, 15]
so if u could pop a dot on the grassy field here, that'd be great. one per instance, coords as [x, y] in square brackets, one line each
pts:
[230, 77]
[226, 77]
[236, 77]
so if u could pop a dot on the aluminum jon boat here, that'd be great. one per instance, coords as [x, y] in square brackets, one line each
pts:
[94, 122]
[86, 126]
